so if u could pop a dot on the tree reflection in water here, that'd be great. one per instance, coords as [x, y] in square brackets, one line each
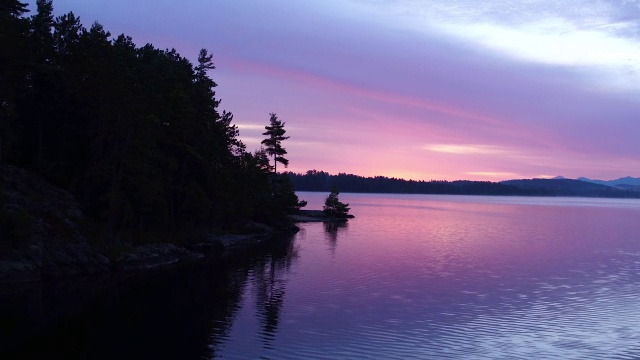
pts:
[269, 272]
[331, 231]
[184, 312]
[171, 313]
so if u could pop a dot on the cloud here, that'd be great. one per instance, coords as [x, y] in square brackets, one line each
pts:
[250, 127]
[493, 174]
[603, 36]
[252, 141]
[554, 41]
[467, 149]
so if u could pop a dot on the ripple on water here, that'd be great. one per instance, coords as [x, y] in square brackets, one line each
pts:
[545, 290]
[554, 319]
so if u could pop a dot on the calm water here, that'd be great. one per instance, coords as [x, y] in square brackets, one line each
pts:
[412, 276]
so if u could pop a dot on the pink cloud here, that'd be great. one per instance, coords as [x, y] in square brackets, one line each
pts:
[361, 96]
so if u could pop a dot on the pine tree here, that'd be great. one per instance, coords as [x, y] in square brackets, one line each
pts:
[335, 209]
[273, 143]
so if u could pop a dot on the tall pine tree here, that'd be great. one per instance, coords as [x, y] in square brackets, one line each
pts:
[275, 132]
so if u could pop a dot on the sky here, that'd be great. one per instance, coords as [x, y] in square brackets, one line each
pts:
[415, 89]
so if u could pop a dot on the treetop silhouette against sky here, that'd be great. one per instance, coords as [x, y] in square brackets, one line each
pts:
[428, 89]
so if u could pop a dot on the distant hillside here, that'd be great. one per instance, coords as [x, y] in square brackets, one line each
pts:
[314, 180]
[569, 187]
[628, 182]
[628, 187]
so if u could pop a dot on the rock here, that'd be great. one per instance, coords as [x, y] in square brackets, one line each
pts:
[154, 255]
[257, 228]
[42, 235]
[63, 258]
[18, 271]
[24, 263]
[237, 240]
[291, 228]
[256, 233]
[42, 230]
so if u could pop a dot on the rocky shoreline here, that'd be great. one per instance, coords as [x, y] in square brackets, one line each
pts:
[43, 236]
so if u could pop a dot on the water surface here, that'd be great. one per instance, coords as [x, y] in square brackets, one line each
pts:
[461, 277]
[412, 276]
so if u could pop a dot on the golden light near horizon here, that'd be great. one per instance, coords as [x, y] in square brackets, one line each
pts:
[494, 175]
[466, 149]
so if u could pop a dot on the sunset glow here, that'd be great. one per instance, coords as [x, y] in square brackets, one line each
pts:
[420, 89]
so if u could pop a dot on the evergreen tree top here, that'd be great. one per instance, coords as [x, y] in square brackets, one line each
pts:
[334, 208]
[273, 143]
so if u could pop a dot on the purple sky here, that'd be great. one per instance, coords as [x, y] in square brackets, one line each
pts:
[419, 89]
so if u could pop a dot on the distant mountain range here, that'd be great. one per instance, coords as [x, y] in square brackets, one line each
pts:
[626, 183]
[571, 187]
[622, 181]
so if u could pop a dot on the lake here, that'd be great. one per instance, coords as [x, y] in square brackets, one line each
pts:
[412, 276]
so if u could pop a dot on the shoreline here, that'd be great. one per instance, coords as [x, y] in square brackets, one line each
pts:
[50, 239]
[316, 216]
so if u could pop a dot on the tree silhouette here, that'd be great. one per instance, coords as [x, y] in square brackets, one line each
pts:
[136, 134]
[13, 57]
[273, 143]
[334, 208]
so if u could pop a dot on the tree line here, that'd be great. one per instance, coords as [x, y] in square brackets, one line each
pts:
[314, 180]
[136, 133]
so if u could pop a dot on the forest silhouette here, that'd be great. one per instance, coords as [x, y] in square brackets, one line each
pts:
[314, 180]
[136, 133]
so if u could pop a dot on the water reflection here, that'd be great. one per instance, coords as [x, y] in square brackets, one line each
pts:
[438, 279]
[181, 313]
[270, 287]
[331, 231]
[258, 320]
[159, 315]
[415, 278]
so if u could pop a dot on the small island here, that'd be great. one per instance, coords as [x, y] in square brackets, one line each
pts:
[334, 211]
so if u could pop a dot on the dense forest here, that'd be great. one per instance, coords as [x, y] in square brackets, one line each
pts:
[314, 180]
[135, 133]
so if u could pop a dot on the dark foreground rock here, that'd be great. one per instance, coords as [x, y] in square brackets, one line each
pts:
[63, 258]
[253, 233]
[42, 235]
[154, 255]
[41, 230]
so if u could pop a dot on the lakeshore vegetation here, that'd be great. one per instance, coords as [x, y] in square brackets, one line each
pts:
[135, 133]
